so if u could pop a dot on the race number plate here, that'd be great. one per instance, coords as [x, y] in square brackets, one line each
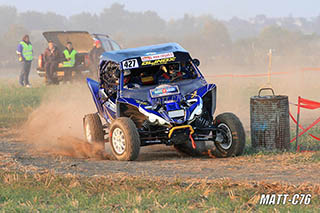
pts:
[129, 64]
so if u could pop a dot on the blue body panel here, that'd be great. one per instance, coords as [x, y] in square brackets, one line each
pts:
[121, 55]
[145, 99]
[104, 109]
[94, 89]
[171, 102]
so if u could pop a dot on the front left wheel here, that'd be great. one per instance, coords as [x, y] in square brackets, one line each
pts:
[124, 139]
[230, 138]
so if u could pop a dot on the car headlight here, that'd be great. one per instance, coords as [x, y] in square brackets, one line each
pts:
[197, 111]
[152, 117]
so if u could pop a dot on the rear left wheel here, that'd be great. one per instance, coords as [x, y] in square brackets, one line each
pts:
[93, 130]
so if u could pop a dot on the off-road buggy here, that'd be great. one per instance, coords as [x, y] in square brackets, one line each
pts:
[157, 95]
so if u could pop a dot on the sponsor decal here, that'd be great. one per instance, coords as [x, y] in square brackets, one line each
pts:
[151, 57]
[176, 113]
[164, 90]
[151, 53]
[142, 102]
[194, 94]
[158, 62]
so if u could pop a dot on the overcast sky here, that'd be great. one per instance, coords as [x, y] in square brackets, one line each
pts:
[221, 9]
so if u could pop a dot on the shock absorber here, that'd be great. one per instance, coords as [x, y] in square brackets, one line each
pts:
[146, 124]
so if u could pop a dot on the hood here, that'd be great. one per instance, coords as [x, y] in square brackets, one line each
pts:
[185, 88]
[82, 41]
[172, 103]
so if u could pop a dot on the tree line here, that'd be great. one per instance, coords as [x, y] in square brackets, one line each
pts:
[235, 42]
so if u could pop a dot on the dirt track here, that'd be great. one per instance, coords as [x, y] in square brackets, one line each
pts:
[161, 161]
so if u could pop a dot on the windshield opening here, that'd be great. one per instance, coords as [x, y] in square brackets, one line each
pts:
[159, 74]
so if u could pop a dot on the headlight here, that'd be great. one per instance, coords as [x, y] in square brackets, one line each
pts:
[197, 111]
[152, 117]
[192, 101]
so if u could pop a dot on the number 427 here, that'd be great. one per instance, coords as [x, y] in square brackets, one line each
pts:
[128, 64]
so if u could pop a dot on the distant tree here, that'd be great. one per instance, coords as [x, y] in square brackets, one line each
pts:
[240, 29]
[215, 38]
[116, 19]
[84, 21]
[15, 34]
[150, 24]
[33, 20]
[55, 21]
[8, 16]
[113, 19]
[278, 38]
[184, 26]
[10, 41]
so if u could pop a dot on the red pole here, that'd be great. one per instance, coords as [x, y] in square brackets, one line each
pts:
[298, 118]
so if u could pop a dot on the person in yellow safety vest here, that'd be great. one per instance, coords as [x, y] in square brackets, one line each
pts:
[25, 56]
[70, 54]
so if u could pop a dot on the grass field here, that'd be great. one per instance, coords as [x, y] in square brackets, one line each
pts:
[20, 192]
[17, 102]
[49, 192]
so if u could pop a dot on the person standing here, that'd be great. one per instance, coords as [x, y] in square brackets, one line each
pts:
[94, 56]
[52, 58]
[25, 55]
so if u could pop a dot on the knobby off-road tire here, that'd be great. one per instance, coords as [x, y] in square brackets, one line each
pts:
[124, 139]
[235, 143]
[187, 149]
[93, 130]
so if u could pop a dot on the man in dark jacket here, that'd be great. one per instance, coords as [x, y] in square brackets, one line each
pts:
[52, 58]
[25, 55]
[94, 55]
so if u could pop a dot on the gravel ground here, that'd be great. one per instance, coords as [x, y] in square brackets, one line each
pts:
[162, 161]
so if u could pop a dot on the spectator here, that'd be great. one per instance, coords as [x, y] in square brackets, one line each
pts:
[70, 55]
[94, 55]
[25, 55]
[52, 58]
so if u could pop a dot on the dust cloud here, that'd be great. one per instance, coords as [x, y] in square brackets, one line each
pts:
[233, 93]
[56, 126]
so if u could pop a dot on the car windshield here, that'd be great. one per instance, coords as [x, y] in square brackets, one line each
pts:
[108, 44]
[114, 45]
[160, 74]
[105, 42]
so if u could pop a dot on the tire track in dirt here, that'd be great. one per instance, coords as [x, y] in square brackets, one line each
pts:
[161, 161]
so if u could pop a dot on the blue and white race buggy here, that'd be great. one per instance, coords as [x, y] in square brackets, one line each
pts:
[157, 95]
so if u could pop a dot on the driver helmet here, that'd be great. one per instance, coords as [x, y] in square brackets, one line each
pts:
[173, 69]
[126, 76]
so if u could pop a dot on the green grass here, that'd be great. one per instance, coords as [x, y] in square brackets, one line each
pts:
[48, 192]
[314, 158]
[16, 103]
[306, 142]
